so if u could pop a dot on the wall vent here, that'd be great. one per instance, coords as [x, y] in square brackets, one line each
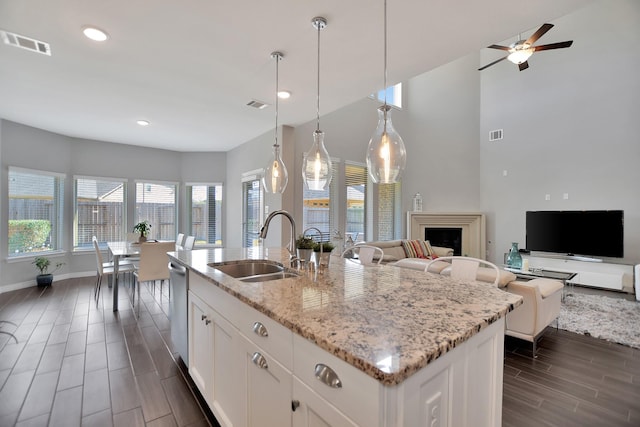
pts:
[24, 42]
[257, 104]
[495, 135]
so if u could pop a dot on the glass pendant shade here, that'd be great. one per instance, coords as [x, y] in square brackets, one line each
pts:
[317, 167]
[275, 177]
[386, 154]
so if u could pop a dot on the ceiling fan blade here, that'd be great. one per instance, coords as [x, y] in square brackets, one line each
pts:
[523, 66]
[494, 62]
[541, 31]
[497, 46]
[550, 46]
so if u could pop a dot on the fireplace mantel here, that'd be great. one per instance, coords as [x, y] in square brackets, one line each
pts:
[472, 224]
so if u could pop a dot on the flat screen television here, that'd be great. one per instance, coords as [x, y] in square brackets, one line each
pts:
[593, 233]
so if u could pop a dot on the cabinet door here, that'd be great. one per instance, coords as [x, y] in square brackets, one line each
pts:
[268, 394]
[228, 391]
[313, 411]
[200, 346]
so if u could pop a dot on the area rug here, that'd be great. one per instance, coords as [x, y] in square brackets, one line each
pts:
[612, 319]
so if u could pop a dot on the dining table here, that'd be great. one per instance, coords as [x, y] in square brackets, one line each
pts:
[117, 250]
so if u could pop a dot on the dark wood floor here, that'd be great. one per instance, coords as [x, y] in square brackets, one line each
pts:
[576, 380]
[77, 364]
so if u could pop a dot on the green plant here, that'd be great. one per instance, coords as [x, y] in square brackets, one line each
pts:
[326, 247]
[42, 264]
[304, 242]
[143, 228]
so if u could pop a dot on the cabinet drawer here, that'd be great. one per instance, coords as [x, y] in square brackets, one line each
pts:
[265, 332]
[359, 396]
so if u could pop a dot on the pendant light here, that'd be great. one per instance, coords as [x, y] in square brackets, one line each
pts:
[386, 155]
[275, 176]
[316, 166]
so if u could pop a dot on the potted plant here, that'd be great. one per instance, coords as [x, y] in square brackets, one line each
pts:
[143, 228]
[304, 248]
[322, 253]
[42, 264]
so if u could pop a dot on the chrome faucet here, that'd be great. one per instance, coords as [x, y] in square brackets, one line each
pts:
[292, 244]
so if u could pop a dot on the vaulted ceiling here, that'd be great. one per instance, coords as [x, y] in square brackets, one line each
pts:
[191, 67]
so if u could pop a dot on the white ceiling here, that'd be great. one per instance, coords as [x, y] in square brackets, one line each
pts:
[190, 67]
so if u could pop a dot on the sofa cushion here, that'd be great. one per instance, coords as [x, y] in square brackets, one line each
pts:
[421, 264]
[486, 274]
[547, 286]
[415, 249]
[394, 251]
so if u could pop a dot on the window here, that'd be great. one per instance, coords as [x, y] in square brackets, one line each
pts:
[156, 203]
[100, 210]
[35, 212]
[204, 207]
[317, 209]
[389, 213]
[356, 190]
[394, 95]
[251, 211]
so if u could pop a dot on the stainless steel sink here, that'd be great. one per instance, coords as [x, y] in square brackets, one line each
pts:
[254, 271]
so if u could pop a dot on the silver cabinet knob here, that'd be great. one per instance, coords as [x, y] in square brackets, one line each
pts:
[328, 376]
[204, 316]
[260, 329]
[259, 361]
[206, 322]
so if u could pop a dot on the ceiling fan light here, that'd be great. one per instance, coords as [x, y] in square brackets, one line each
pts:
[520, 53]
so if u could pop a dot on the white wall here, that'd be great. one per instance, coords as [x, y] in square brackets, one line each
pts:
[570, 126]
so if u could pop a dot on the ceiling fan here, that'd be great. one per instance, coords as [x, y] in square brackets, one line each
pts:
[520, 51]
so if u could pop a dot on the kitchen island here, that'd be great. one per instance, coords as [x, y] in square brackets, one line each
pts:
[352, 345]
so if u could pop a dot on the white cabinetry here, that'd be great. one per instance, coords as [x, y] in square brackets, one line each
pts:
[253, 371]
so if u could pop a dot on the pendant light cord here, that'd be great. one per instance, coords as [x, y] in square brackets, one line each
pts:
[319, 25]
[384, 88]
[277, 56]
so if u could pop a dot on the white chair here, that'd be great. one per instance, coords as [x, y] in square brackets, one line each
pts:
[467, 268]
[189, 241]
[365, 254]
[154, 265]
[106, 268]
[179, 241]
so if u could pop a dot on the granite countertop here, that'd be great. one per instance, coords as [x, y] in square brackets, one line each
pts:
[387, 321]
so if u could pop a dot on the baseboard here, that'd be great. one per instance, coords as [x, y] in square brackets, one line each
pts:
[30, 283]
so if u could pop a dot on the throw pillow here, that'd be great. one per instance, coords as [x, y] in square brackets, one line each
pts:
[415, 249]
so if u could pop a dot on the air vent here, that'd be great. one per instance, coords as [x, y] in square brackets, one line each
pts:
[25, 42]
[257, 104]
[495, 135]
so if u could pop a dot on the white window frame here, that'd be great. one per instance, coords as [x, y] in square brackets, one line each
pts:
[396, 98]
[101, 242]
[176, 223]
[189, 212]
[58, 225]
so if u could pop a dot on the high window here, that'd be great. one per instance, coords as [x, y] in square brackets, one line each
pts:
[204, 207]
[394, 95]
[318, 209]
[356, 190]
[252, 202]
[36, 201]
[100, 210]
[156, 203]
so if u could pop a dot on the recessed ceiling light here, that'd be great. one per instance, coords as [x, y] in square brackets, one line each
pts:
[143, 122]
[95, 34]
[284, 94]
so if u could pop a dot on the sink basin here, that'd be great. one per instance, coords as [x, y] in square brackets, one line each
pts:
[254, 271]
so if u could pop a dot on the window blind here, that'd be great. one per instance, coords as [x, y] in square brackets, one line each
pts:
[251, 213]
[156, 203]
[205, 210]
[100, 210]
[355, 182]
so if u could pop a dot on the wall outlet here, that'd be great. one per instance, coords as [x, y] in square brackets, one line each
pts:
[504, 173]
[565, 196]
[547, 196]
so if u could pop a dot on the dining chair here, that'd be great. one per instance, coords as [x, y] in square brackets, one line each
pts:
[179, 241]
[106, 268]
[365, 254]
[154, 265]
[466, 268]
[189, 241]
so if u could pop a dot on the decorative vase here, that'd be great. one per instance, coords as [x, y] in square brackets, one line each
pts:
[514, 259]
[44, 279]
[305, 255]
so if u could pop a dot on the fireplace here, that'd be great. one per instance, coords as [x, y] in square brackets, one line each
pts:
[471, 226]
[445, 237]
